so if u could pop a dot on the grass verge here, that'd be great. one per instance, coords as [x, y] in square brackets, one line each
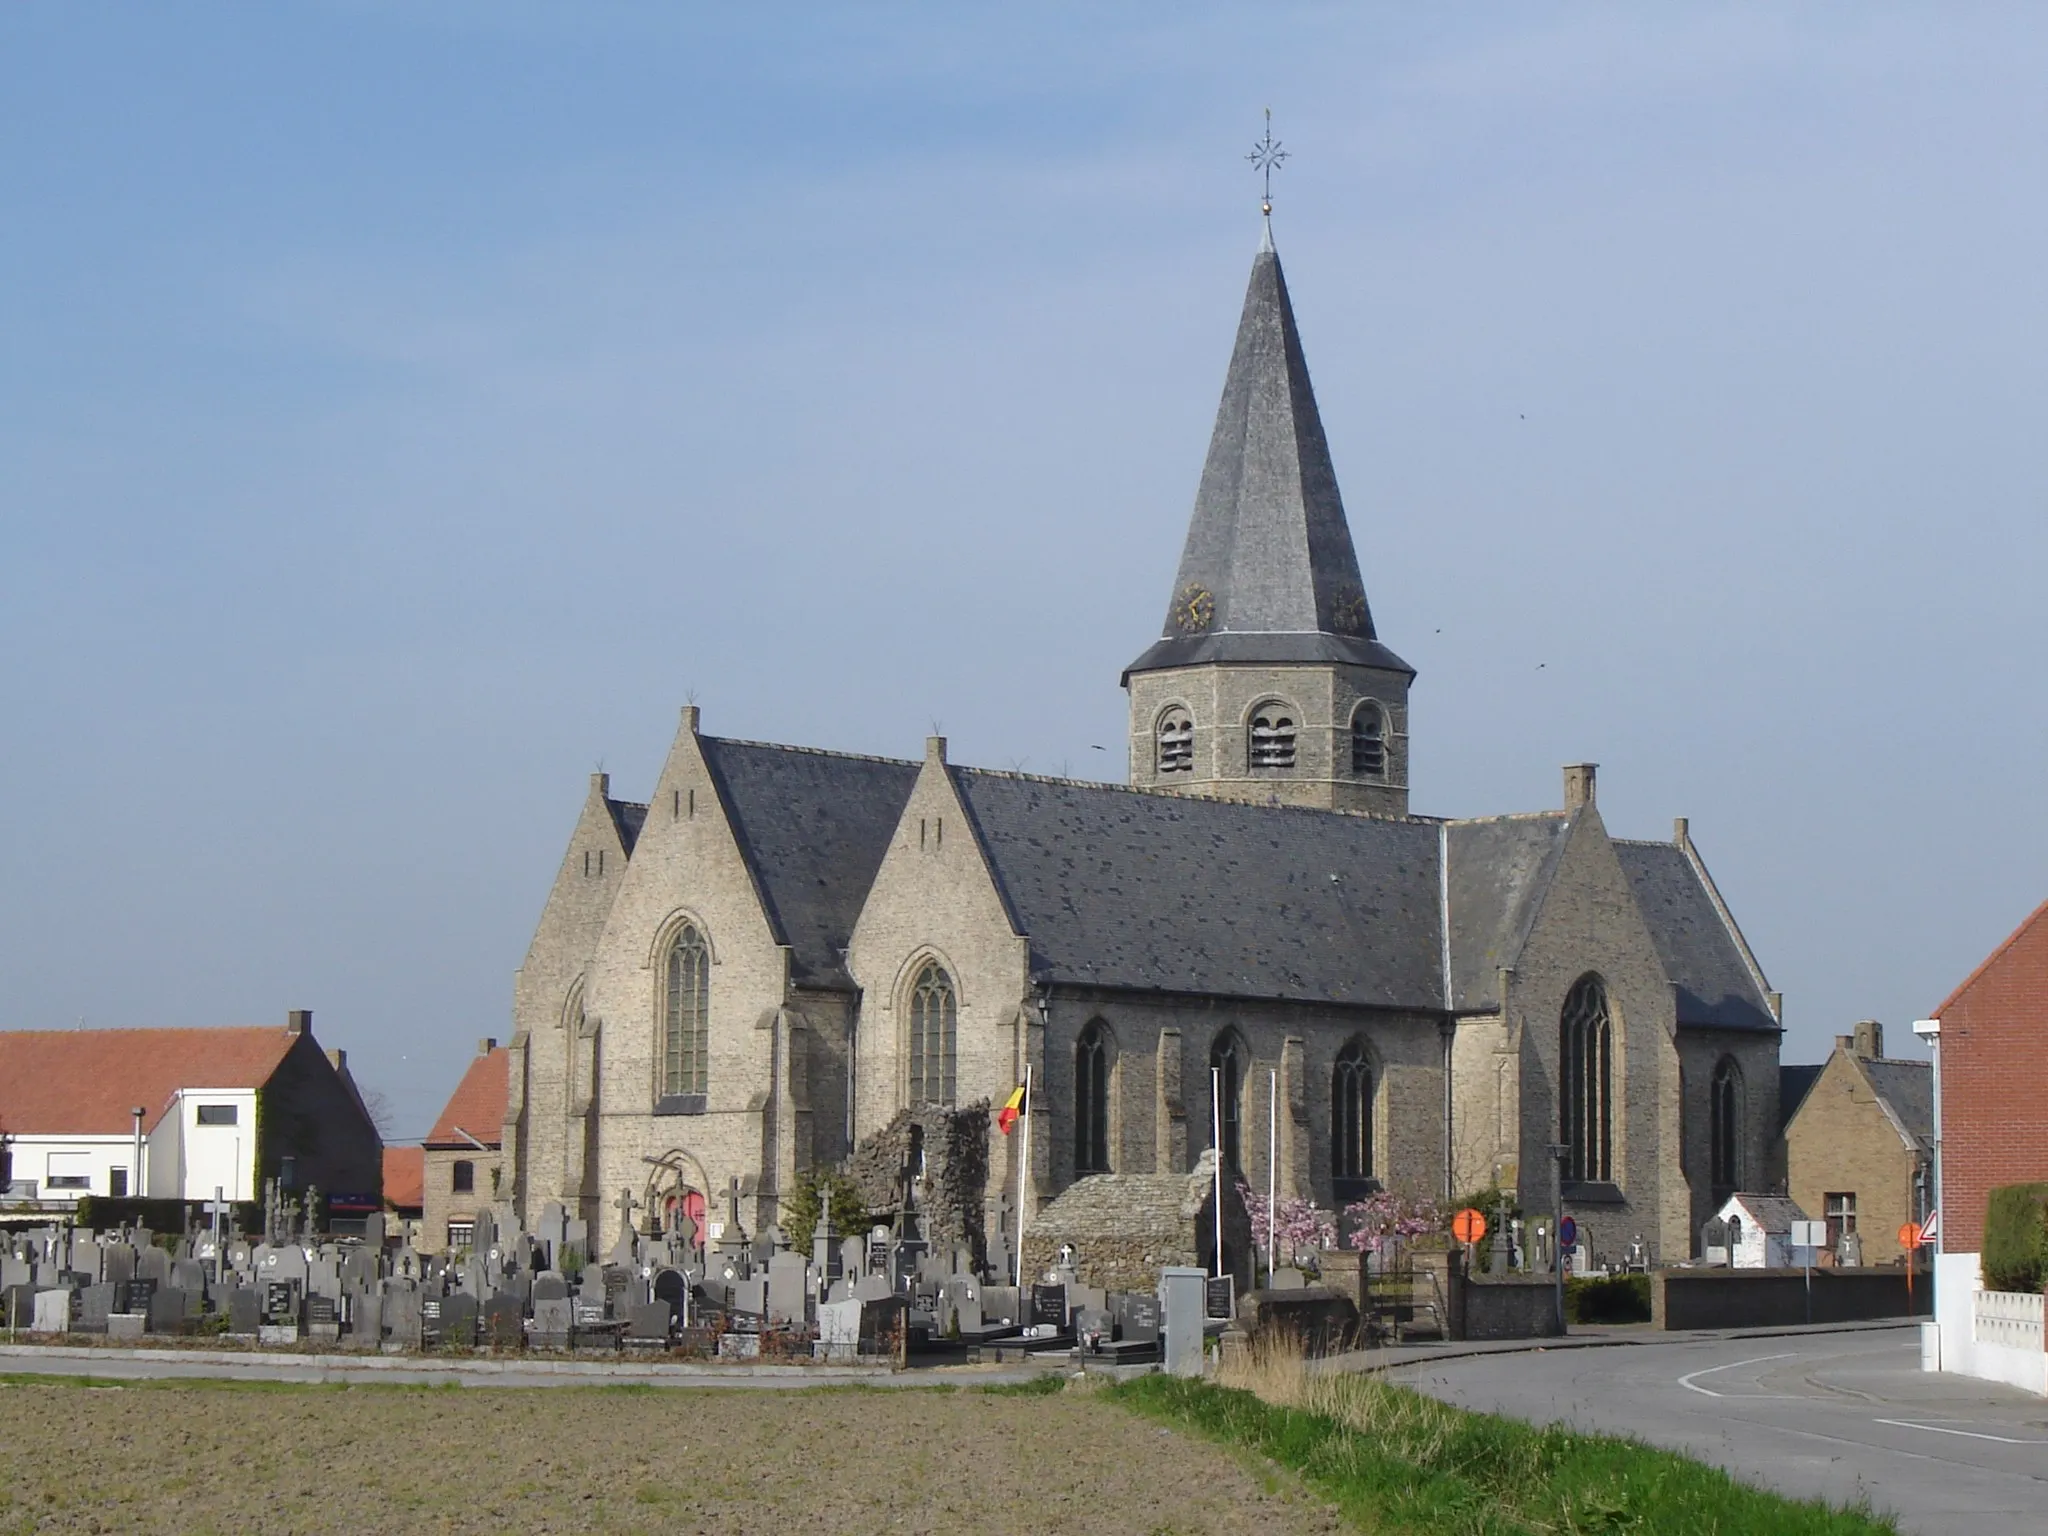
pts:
[1394, 1460]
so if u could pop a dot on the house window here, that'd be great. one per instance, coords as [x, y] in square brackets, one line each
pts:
[1841, 1214]
[460, 1233]
[1724, 1113]
[1351, 1117]
[1369, 742]
[1272, 737]
[462, 1179]
[1176, 742]
[1091, 1100]
[1228, 1059]
[68, 1170]
[288, 1172]
[218, 1114]
[1586, 1116]
[117, 1183]
[934, 1031]
[686, 1015]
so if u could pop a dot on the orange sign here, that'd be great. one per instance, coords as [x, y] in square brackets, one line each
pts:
[1909, 1235]
[1468, 1226]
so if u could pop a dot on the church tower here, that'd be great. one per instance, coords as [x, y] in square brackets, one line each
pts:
[1268, 682]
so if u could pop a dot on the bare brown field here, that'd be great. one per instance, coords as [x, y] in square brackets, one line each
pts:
[196, 1458]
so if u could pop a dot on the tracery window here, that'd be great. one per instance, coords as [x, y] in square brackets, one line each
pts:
[1176, 742]
[1351, 1115]
[1369, 742]
[1091, 1100]
[1587, 1077]
[1724, 1113]
[1228, 1060]
[1272, 737]
[686, 1016]
[934, 1035]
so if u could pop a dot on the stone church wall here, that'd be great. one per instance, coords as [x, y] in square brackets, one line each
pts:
[1756, 1055]
[1485, 1099]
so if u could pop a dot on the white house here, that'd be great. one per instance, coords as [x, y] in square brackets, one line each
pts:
[1759, 1231]
[178, 1114]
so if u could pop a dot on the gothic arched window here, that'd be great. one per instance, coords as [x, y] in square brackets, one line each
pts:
[1091, 1100]
[1586, 1117]
[1369, 742]
[1228, 1061]
[1724, 1117]
[1176, 744]
[934, 1035]
[1351, 1116]
[1272, 737]
[686, 1018]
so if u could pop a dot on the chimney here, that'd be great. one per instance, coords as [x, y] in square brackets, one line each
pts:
[691, 717]
[485, 1046]
[1578, 785]
[935, 749]
[299, 1022]
[1868, 1041]
[601, 785]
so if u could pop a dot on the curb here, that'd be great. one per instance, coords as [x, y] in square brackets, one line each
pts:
[1366, 1361]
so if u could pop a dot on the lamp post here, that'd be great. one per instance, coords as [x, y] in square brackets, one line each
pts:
[136, 1187]
[1930, 1031]
[1558, 1153]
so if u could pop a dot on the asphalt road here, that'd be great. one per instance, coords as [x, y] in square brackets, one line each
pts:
[1847, 1417]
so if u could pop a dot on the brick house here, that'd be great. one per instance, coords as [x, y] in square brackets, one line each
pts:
[461, 1166]
[174, 1114]
[1859, 1146]
[405, 1178]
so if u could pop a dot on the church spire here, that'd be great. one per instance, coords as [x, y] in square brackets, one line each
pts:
[1268, 573]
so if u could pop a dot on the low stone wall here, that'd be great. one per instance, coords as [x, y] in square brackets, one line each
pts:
[1510, 1307]
[1772, 1298]
[1324, 1320]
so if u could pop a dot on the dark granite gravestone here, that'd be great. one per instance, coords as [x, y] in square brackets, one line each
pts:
[458, 1321]
[1048, 1306]
[323, 1319]
[673, 1287]
[1219, 1297]
[430, 1321]
[245, 1312]
[280, 1304]
[94, 1303]
[590, 1325]
[549, 1286]
[135, 1294]
[166, 1308]
[649, 1324]
[1137, 1316]
[18, 1302]
[504, 1322]
[366, 1321]
[404, 1319]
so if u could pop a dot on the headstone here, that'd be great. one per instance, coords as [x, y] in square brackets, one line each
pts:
[838, 1330]
[504, 1322]
[649, 1324]
[589, 1321]
[458, 1321]
[135, 1295]
[872, 1288]
[963, 1303]
[1093, 1327]
[95, 1305]
[52, 1312]
[323, 1319]
[404, 1316]
[126, 1327]
[189, 1275]
[788, 1288]
[166, 1308]
[1182, 1292]
[552, 1321]
[373, 1232]
[1136, 1315]
[366, 1321]
[549, 1286]
[672, 1286]
[152, 1263]
[245, 1313]
[999, 1304]
[117, 1263]
[1048, 1307]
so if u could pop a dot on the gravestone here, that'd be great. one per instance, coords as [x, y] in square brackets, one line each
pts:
[589, 1322]
[549, 1286]
[117, 1263]
[135, 1294]
[1048, 1308]
[15, 1271]
[504, 1322]
[373, 1231]
[552, 1321]
[1182, 1292]
[787, 1288]
[189, 1275]
[152, 1263]
[17, 1305]
[458, 1321]
[126, 1327]
[166, 1308]
[751, 1296]
[1136, 1315]
[872, 1288]
[404, 1317]
[1093, 1327]
[963, 1303]
[95, 1305]
[366, 1321]
[999, 1304]
[648, 1324]
[673, 1287]
[245, 1312]
[53, 1311]
[323, 1319]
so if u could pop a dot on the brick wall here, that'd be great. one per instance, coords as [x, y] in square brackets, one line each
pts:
[1994, 1082]
[1842, 1142]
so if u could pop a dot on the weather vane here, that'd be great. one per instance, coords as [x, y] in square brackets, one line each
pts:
[1267, 157]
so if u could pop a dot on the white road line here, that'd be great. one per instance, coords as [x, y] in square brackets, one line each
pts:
[1967, 1434]
[1690, 1384]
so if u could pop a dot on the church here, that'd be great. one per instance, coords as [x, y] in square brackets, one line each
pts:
[782, 951]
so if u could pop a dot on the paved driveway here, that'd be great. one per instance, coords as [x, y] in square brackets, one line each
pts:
[1840, 1416]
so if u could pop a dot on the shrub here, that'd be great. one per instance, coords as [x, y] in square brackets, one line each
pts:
[1608, 1299]
[2016, 1238]
[800, 1208]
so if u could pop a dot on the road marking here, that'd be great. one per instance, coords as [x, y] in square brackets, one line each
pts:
[1967, 1434]
[1690, 1384]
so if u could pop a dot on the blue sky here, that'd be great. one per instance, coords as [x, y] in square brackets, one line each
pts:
[405, 407]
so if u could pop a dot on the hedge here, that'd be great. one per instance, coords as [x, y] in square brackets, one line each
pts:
[2015, 1256]
[1608, 1299]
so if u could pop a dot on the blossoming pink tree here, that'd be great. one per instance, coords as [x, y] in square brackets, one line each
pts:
[1300, 1229]
[1381, 1222]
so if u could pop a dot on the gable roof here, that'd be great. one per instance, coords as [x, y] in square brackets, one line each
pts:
[1500, 868]
[813, 827]
[627, 819]
[1906, 1088]
[405, 1178]
[1121, 888]
[2030, 933]
[1774, 1213]
[88, 1082]
[1268, 540]
[1794, 1084]
[477, 1107]
[1716, 987]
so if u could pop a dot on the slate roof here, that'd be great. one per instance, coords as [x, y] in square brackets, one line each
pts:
[1907, 1087]
[1268, 540]
[628, 818]
[814, 826]
[86, 1082]
[1500, 869]
[405, 1178]
[1119, 888]
[1794, 1084]
[1716, 987]
[478, 1104]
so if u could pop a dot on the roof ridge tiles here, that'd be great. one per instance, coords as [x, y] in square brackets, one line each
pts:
[787, 746]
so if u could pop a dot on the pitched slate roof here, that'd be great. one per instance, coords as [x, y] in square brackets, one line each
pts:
[1268, 541]
[628, 818]
[477, 1107]
[814, 826]
[1120, 888]
[87, 1082]
[1716, 987]
[1794, 1084]
[1500, 869]
[1907, 1088]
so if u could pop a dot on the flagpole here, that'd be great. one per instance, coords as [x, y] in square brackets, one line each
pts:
[1272, 1166]
[1216, 1140]
[1023, 1173]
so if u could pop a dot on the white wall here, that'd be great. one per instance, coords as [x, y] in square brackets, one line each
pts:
[197, 1159]
[95, 1157]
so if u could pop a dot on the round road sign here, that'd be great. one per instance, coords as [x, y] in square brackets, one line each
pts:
[1568, 1232]
[1468, 1226]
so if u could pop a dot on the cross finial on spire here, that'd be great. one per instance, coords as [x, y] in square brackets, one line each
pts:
[1267, 157]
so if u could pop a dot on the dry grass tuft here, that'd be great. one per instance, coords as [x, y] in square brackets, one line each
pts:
[1275, 1370]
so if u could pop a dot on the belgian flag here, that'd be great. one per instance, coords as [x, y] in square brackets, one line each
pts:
[1013, 1106]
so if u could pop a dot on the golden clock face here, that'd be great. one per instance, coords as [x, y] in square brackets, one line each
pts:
[1347, 614]
[1194, 610]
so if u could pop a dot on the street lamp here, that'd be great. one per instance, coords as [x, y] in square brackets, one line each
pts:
[1930, 1031]
[1559, 1151]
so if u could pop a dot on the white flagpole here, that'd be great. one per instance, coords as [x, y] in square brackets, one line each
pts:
[1216, 1140]
[1023, 1173]
[1272, 1167]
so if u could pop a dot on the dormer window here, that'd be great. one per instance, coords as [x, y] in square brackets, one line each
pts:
[1272, 738]
[1369, 742]
[1176, 742]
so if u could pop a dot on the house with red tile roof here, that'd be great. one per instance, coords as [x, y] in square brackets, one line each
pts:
[462, 1161]
[178, 1114]
[404, 1186]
